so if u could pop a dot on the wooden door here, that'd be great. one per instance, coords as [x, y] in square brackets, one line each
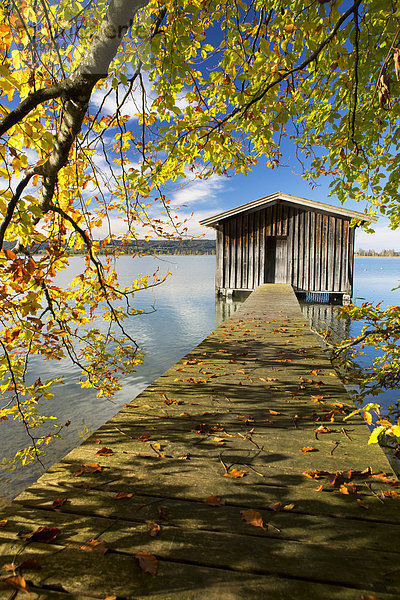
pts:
[281, 260]
[276, 260]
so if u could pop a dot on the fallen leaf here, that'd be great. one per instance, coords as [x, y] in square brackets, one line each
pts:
[348, 488]
[235, 473]
[215, 501]
[319, 488]
[43, 535]
[143, 438]
[154, 529]
[9, 567]
[276, 506]
[308, 449]
[147, 562]
[95, 545]
[391, 494]
[323, 429]
[274, 412]
[161, 513]
[105, 451]
[30, 563]
[252, 517]
[3, 522]
[17, 582]
[362, 503]
[58, 502]
[123, 495]
[88, 469]
[288, 507]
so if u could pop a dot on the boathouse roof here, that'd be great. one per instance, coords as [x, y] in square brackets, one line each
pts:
[278, 197]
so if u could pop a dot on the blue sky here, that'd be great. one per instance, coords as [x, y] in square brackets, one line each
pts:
[206, 198]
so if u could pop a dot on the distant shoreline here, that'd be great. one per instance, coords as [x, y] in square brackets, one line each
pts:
[373, 256]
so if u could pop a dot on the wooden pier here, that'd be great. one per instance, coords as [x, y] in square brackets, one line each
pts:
[232, 476]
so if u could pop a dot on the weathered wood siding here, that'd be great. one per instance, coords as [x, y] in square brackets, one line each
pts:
[282, 243]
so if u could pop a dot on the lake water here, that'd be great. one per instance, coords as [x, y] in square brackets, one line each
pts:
[186, 312]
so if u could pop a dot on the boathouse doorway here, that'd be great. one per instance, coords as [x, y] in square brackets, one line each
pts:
[276, 257]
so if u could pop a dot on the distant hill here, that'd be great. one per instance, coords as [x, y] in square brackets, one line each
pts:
[144, 247]
[164, 247]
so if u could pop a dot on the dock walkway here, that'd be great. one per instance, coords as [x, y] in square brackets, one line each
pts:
[203, 488]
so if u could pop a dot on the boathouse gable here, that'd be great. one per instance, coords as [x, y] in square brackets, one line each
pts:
[286, 239]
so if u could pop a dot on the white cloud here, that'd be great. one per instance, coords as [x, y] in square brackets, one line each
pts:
[383, 239]
[199, 191]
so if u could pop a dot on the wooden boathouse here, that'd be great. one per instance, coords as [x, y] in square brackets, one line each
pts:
[286, 239]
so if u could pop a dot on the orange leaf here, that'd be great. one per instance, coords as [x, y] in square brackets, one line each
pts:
[9, 254]
[323, 429]
[276, 506]
[235, 473]
[43, 535]
[58, 502]
[348, 488]
[154, 529]
[362, 503]
[274, 412]
[143, 438]
[123, 495]
[252, 517]
[147, 562]
[308, 449]
[96, 546]
[30, 563]
[161, 513]
[105, 451]
[17, 582]
[215, 501]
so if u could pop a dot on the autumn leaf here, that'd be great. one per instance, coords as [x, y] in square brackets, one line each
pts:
[58, 502]
[252, 517]
[17, 582]
[95, 545]
[235, 473]
[42, 535]
[30, 563]
[274, 412]
[9, 567]
[308, 449]
[154, 529]
[215, 501]
[144, 438]
[348, 488]
[88, 469]
[161, 513]
[123, 495]
[9, 254]
[147, 562]
[276, 506]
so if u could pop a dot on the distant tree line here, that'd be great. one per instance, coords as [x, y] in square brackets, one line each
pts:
[161, 246]
[362, 252]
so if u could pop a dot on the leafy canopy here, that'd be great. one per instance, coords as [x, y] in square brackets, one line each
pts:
[105, 104]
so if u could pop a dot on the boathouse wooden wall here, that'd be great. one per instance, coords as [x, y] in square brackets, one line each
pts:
[283, 243]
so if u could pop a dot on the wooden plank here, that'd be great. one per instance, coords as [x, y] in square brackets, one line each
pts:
[250, 275]
[262, 247]
[339, 255]
[301, 250]
[312, 254]
[318, 252]
[232, 254]
[351, 257]
[332, 254]
[245, 252]
[239, 246]
[345, 282]
[307, 249]
[226, 253]
[290, 226]
[324, 253]
[295, 256]
[219, 260]
[257, 249]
